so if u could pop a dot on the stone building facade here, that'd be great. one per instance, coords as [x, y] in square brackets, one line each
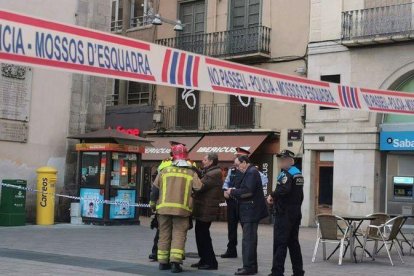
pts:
[61, 104]
[347, 171]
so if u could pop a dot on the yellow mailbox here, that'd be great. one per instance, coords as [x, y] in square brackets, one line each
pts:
[45, 205]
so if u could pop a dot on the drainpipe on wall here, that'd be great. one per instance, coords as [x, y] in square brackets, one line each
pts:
[122, 88]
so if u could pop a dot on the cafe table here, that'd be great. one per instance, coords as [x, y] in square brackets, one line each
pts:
[355, 223]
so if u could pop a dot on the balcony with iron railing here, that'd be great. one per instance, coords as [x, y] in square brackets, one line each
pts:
[385, 24]
[211, 117]
[134, 22]
[251, 42]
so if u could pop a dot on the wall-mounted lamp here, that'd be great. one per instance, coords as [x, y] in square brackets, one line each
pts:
[179, 27]
[158, 20]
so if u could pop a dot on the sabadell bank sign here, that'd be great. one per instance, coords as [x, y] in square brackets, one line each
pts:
[393, 140]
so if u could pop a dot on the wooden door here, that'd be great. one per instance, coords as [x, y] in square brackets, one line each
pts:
[324, 185]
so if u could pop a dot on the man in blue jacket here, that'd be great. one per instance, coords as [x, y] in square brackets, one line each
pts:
[287, 200]
[252, 209]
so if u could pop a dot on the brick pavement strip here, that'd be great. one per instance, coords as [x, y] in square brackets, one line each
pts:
[65, 249]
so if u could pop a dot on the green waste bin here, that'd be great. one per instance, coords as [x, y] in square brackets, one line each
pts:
[13, 203]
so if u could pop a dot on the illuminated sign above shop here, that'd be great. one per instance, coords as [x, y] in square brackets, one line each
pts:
[397, 141]
[130, 131]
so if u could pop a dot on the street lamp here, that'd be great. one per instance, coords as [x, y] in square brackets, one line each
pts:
[179, 26]
[158, 20]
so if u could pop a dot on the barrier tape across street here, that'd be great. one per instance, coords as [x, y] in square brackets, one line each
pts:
[99, 201]
[32, 41]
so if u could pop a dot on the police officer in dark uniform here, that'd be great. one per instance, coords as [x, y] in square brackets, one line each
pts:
[287, 200]
[233, 180]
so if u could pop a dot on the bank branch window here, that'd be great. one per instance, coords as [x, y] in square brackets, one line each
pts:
[124, 170]
[93, 168]
[403, 187]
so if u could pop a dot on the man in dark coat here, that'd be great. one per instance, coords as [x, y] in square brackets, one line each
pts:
[233, 180]
[252, 209]
[205, 210]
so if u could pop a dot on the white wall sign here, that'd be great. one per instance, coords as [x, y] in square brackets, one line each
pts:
[15, 92]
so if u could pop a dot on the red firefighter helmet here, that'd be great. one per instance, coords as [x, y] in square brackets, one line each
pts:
[179, 152]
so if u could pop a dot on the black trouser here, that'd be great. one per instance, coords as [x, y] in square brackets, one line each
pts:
[232, 223]
[204, 243]
[249, 245]
[286, 235]
[155, 246]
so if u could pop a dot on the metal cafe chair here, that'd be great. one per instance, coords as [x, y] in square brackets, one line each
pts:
[386, 233]
[330, 231]
[412, 244]
[379, 219]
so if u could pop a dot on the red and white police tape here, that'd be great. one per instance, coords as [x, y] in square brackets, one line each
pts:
[123, 203]
[30, 41]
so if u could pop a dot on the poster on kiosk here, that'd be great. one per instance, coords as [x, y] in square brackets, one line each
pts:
[123, 210]
[92, 205]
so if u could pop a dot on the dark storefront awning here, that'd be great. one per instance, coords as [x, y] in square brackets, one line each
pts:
[160, 149]
[225, 145]
[112, 135]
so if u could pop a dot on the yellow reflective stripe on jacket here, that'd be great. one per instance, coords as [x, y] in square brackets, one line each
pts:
[187, 190]
[164, 189]
[174, 205]
[174, 173]
[164, 164]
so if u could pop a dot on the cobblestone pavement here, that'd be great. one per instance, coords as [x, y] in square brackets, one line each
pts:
[65, 249]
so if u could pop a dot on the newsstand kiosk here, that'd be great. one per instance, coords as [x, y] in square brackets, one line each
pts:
[109, 166]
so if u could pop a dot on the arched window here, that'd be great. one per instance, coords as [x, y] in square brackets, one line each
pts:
[406, 86]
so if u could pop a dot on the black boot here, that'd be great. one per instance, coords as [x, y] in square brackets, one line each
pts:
[176, 268]
[229, 254]
[152, 257]
[164, 266]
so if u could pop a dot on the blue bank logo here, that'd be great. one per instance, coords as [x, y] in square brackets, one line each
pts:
[403, 140]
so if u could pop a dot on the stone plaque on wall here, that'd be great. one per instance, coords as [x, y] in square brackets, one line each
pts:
[14, 131]
[15, 92]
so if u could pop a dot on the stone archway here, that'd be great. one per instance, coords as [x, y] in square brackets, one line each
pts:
[399, 76]
[401, 79]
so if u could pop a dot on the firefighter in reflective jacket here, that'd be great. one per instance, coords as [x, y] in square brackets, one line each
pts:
[171, 196]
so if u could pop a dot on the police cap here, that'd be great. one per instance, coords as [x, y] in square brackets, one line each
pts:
[286, 154]
[241, 151]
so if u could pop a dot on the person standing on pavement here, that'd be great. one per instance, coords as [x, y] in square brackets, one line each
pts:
[233, 180]
[287, 200]
[154, 221]
[252, 209]
[171, 196]
[206, 209]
